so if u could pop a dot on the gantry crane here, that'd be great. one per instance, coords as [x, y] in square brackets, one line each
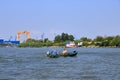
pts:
[24, 32]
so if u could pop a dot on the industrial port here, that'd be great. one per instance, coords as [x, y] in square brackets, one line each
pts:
[12, 43]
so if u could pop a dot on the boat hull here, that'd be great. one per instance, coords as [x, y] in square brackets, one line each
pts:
[70, 54]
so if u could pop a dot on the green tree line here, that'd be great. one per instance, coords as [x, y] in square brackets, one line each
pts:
[60, 40]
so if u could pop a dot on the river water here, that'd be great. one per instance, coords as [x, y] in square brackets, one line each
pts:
[33, 64]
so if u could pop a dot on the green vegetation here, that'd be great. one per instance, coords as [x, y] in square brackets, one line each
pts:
[60, 40]
[36, 43]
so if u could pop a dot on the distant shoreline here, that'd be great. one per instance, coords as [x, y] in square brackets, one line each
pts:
[60, 46]
[73, 48]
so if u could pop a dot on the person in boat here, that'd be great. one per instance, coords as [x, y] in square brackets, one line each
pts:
[54, 52]
[64, 52]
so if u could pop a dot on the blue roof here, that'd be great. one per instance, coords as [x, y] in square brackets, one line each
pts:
[13, 42]
[1, 40]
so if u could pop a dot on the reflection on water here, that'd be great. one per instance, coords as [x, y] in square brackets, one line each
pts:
[33, 64]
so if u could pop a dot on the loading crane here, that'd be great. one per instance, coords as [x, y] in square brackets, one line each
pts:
[24, 32]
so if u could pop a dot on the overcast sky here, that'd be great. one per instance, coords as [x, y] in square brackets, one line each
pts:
[81, 18]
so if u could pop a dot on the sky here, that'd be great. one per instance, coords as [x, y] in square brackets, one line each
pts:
[80, 18]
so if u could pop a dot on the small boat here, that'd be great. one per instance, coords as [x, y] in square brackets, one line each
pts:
[55, 55]
[70, 45]
[70, 54]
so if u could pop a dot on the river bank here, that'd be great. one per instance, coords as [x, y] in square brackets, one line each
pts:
[91, 46]
[75, 47]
